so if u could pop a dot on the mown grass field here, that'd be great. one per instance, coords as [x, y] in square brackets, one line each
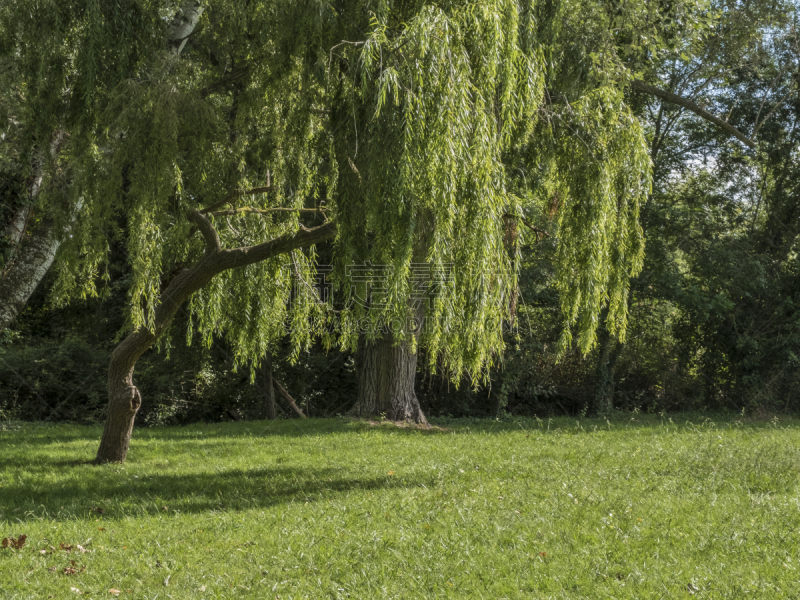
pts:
[687, 507]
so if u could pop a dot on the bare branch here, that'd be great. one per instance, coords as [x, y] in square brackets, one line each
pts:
[692, 106]
[778, 104]
[289, 399]
[240, 257]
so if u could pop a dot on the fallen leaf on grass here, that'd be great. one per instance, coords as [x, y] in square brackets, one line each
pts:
[98, 510]
[114, 592]
[72, 570]
[543, 554]
[14, 543]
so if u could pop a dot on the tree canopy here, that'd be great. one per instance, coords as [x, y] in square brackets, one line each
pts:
[412, 128]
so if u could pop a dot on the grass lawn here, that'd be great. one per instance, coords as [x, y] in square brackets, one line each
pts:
[687, 507]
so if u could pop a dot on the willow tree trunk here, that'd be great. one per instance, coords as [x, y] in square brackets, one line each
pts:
[33, 258]
[124, 398]
[386, 374]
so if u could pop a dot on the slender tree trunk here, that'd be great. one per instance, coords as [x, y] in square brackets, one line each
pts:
[124, 398]
[610, 350]
[289, 399]
[386, 372]
[269, 388]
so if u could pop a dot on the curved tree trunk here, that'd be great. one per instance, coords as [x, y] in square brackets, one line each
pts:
[124, 398]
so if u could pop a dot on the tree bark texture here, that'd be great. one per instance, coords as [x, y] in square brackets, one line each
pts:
[290, 400]
[183, 24]
[386, 372]
[31, 263]
[124, 398]
[32, 257]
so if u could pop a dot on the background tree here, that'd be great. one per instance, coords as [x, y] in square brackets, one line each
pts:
[701, 70]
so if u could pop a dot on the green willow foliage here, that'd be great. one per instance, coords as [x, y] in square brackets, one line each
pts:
[415, 126]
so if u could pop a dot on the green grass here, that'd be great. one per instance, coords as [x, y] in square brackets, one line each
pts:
[644, 508]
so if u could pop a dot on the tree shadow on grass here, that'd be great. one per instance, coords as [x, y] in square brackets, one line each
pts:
[117, 495]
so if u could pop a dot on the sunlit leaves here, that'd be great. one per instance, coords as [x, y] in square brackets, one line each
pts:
[420, 126]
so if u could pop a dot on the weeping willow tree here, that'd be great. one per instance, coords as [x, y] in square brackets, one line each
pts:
[228, 143]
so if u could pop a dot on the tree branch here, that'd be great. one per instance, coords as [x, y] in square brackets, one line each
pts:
[240, 257]
[232, 195]
[262, 211]
[289, 399]
[540, 233]
[692, 106]
[207, 229]
[232, 77]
